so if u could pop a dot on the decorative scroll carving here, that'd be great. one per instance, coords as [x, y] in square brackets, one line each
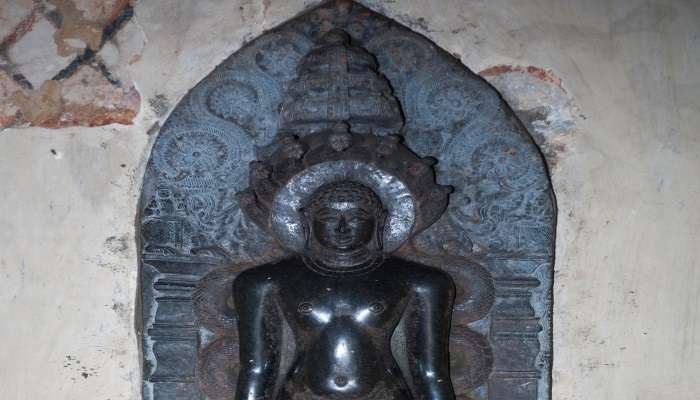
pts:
[495, 238]
[475, 290]
[218, 368]
[471, 359]
[213, 302]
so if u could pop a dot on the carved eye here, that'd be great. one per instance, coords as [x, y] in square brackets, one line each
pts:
[358, 220]
[376, 307]
[305, 308]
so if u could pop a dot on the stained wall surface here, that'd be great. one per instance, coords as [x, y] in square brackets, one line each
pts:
[609, 89]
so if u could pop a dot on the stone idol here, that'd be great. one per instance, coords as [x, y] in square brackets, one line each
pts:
[341, 210]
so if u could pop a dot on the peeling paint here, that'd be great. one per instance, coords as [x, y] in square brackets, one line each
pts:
[540, 101]
[540, 73]
[75, 26]
[80, 101]
[22, 28]
[42, 106]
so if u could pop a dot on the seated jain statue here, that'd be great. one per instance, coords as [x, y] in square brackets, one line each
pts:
[342, 318]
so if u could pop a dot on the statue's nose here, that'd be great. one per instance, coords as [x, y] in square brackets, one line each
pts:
[342, 226]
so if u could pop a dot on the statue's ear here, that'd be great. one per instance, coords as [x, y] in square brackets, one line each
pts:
[381, 222]
[305, 226]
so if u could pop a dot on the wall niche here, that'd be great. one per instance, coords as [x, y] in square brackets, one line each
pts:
[344, 94]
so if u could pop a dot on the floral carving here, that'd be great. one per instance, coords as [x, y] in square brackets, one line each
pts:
[196, 154]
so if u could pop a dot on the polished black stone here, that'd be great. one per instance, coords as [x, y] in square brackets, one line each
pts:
[342, 326]
[342, 301]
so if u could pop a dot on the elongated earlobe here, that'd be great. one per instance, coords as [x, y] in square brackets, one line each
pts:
[381, 221]
[305, 226]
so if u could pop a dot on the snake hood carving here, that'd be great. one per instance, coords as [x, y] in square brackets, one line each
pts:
[340, 121]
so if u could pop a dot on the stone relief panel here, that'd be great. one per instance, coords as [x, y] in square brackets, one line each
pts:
[495, 238]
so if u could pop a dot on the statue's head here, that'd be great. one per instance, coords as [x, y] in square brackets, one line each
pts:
[344, 217]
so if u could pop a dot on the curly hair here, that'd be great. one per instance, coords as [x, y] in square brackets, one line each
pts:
[343, 191]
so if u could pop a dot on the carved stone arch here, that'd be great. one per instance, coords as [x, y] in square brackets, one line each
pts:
[496, 238]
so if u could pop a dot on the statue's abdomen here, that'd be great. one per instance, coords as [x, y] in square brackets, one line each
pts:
[345, 360]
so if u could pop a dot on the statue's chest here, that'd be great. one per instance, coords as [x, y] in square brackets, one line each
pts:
[329, 302]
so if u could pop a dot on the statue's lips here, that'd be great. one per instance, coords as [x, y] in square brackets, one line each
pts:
[342, 240]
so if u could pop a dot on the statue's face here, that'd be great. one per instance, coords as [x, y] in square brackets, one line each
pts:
[343, 226]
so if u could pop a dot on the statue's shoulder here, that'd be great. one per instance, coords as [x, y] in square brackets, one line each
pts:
[420, 274]
[265, 274]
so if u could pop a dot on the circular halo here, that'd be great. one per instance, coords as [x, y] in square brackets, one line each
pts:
[396, 198]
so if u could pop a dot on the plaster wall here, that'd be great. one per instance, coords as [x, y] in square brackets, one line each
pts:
[617, 118]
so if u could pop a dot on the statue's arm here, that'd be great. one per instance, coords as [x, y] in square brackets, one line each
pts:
[260, 337]
[428, 342]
